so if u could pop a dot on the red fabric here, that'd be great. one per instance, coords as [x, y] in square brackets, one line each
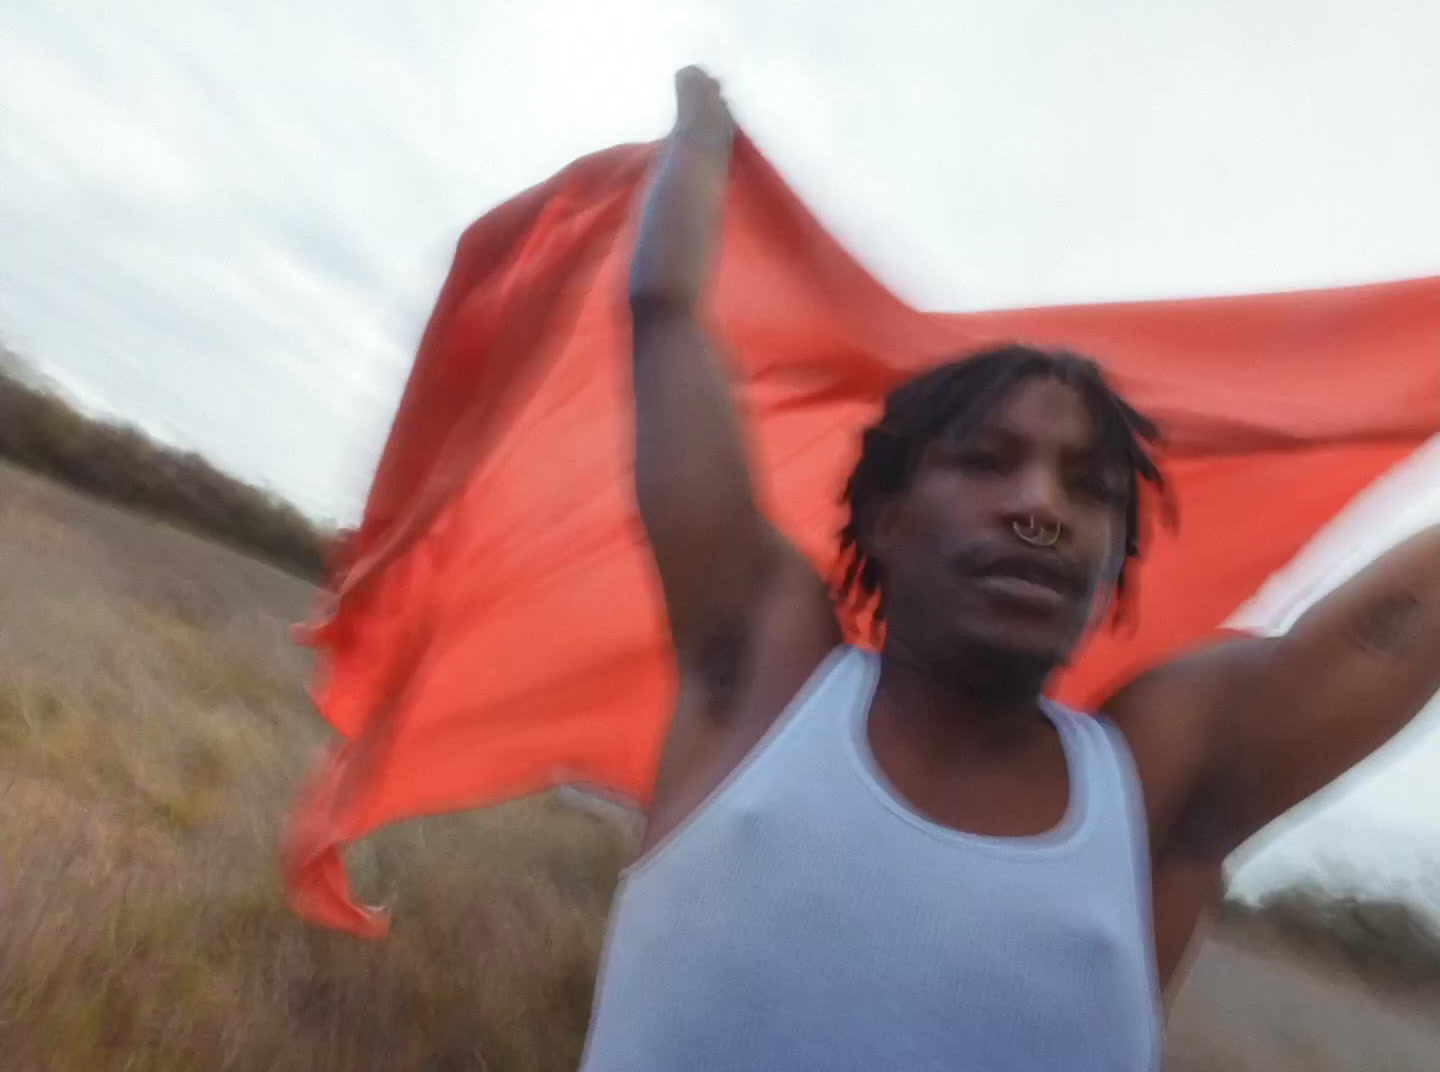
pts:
[499, 627]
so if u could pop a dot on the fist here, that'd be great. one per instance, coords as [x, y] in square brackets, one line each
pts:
[700, 109]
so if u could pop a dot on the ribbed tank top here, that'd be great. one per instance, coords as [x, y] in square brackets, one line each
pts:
[806, 917]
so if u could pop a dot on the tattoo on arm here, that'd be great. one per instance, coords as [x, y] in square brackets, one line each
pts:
[1389, 626]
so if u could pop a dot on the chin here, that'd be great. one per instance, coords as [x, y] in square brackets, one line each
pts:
[1024, 652]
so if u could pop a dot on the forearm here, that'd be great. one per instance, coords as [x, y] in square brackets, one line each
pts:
[679, 224]
[686, 432]
[692, 478]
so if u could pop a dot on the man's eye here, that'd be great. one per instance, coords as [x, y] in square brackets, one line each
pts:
[1099, 488]
[980, 461]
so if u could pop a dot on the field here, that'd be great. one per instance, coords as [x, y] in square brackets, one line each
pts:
[152, 727]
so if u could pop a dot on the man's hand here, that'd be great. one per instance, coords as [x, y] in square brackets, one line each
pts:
[682, 213]
[701, 114]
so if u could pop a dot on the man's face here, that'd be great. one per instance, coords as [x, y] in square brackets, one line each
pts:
[958, 574]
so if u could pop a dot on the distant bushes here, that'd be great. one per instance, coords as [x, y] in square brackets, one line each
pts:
[1378, 938]
[42, 432]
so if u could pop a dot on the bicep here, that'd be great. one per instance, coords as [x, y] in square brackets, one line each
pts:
[749, 616]
[1243, 730]
[1350, 674]
[1311, 704]
[712, 549]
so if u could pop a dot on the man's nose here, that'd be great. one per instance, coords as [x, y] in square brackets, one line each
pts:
[1037, 498]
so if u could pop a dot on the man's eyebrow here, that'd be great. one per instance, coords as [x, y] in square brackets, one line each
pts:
[1096, 456]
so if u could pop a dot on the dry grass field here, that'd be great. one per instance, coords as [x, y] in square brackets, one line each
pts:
[152, 727]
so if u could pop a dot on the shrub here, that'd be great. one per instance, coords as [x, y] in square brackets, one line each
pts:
[41, 431]
[1380, 938]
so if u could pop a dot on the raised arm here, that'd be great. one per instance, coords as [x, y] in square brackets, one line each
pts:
[1268, 721]
[718, 559]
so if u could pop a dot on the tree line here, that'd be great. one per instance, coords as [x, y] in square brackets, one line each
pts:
[43, 432]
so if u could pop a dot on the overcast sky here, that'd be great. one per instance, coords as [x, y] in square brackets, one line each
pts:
[227, 222]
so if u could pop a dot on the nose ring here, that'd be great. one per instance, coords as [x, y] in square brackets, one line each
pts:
[1037, 534]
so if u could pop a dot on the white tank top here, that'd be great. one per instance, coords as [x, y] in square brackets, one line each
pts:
[806, 918]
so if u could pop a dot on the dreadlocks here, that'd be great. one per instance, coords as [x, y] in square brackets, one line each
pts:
[954, 399]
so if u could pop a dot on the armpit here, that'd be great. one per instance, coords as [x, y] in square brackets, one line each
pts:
[722, 666]
[1208, 826]
[1389, 626]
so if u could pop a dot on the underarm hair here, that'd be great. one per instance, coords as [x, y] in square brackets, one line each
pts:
[1389, 626]
[723, 660]
[1205, 828]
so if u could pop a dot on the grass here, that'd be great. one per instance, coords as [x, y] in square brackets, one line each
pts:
[152, 727]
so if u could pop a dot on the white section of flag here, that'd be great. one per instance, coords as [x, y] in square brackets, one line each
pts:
[1399, 504]
[1377, 831]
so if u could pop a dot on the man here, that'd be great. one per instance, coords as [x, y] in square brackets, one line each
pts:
[911, 860]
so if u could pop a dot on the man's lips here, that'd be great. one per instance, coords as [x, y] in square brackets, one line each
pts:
[1021, 594]
[1037, 582]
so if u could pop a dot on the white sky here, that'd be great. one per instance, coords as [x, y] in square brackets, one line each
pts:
[227, 222]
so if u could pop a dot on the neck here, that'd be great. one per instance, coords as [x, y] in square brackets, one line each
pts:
[987, 699]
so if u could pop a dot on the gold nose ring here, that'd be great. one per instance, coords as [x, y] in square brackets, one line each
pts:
[1036, 534]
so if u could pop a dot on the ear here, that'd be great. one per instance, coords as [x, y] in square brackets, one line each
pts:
[1104, 608]
[1107, 607]
[878, 528]
[1104, 595]
[1114, 563]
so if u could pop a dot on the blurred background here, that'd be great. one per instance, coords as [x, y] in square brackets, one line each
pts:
[223, 228]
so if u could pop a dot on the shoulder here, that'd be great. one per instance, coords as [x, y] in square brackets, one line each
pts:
[1189, 692]
[1171, 715]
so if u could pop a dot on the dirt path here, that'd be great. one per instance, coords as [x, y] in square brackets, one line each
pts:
[1247, 1010]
